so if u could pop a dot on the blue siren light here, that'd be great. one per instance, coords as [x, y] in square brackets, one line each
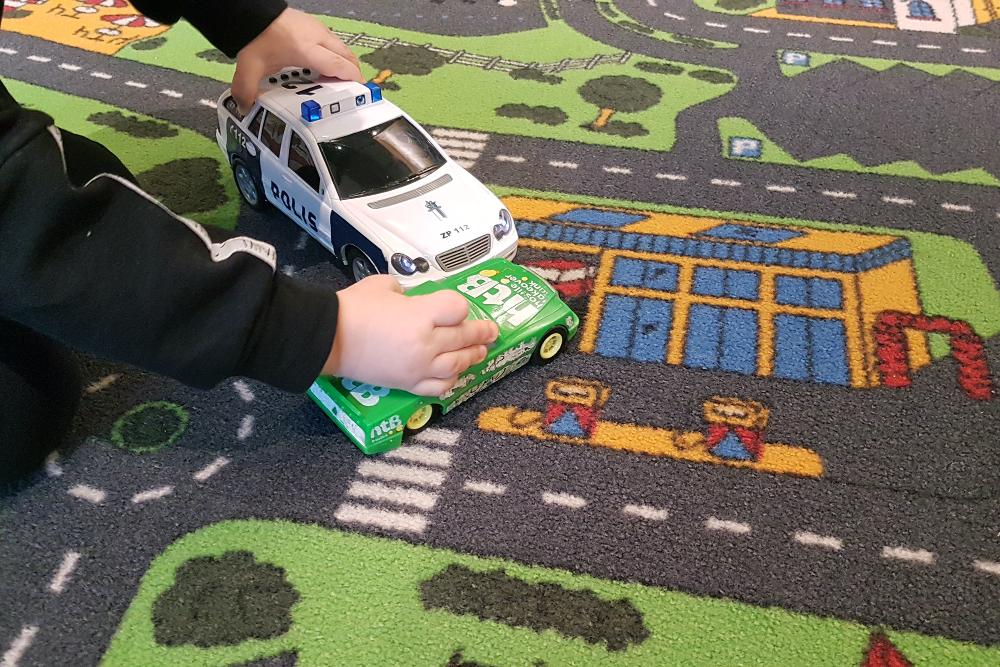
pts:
[376, 91]
[311, 111]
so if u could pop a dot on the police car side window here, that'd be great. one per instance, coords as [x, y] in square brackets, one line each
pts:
[274, 131]
[255, 123]
[301, 162]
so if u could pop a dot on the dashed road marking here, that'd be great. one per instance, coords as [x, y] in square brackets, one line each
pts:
[152, 494]
[243, 389]
[438, 436]
[510, 158]
[646, 512]
[208, 103]
[9, 52]
[966, 50]
[759, 31]
[839, 194]
[19, 646]
[928, 46]
[735, 527]
[563, 165]
[710, 24]
[246, 428]
[70, 68]
[212, 468]
[103, 383]
[459, 134]
[428, 456]
[725, 183]
[392, 494]
[398, 521]
[88, 493]
[101, 75]
[394, 472]
[136, 84]
[901, 201]
[617, 170]
[672, 177]
[65, 571]
[837, 38]
[962, 208]
[910, 555]
[884, 42]
[39, 59]
[171, 93]
[563, 499]
[988, 566]
[803, 35]
[814, 540]
[676, 17]
[781, 188]
[487, 488]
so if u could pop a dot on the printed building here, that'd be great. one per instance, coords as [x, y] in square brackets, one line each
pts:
[777, 301]
[926, 15]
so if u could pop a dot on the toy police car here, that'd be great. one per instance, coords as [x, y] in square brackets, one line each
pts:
[362, 178]
[534, 324]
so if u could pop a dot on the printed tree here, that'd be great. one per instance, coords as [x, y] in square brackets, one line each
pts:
[403, 59]
[619, 93]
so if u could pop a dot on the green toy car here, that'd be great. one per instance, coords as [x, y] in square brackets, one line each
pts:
[535, 325]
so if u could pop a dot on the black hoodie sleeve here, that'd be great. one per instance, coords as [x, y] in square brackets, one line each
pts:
[229, 24]
[106, 269]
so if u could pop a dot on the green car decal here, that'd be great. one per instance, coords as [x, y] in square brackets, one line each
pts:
[526, 309]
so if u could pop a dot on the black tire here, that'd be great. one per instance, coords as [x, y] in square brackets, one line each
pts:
[359, 266]
[249, 186]
[541, 356]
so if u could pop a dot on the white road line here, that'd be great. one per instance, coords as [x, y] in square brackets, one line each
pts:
[40, 59]
[814, 540]
[136, 84]
[510, 158]
[246, 428]
[9, 52]
[488, 488]
[461, 143]
[725, 183]
[840, 194]
[646, 512]
[152, 494]
[52, 467]
[103, 383]
[716, 25]
[975, 50]
[101, 75]
[988, 566]
[70, 68]
[963, 208]
[651, 3]
[392, 494]
[88, 493]
[464, 163]
[672, 177]
[243, 389]
[18, 647]
[171, 93]
[288, 269]
[438, 436]
[212, 468]
[911, 555]
[928, 46]
[674, 16]
[459, 134]
[456, 153]
[428, 456]
[563, 500]
[884, 42]
[395, 472]
[208, 103]
[836, 38]
[398, 521]
[565, 165]
[803, 35]
[902, 201]
[760, 31]
[617, 170]
[65, 571]
[736, 527]
[303, 240]
[781, 188]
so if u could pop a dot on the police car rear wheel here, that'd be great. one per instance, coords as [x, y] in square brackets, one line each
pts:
[419, 420]
[360, 266]
[249, 188]
[551, 346]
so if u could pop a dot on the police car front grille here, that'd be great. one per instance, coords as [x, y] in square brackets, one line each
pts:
[456, 258]
[412, 194]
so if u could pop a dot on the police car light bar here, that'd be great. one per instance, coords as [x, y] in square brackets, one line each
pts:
[312, 111]
[376, 91]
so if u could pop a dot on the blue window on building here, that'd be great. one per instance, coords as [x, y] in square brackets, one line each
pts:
[834, 3]
[732, 283]
[721, 338]
[808, 292]
[873, 4]
[919, 9]
[635, 328]
[630, 272]
[810, 348]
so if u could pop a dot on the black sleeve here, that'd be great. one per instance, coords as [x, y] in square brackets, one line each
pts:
[229, 24]
[106, 269]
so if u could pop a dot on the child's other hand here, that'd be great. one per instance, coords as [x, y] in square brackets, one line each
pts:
[294, 39]
[417, 343]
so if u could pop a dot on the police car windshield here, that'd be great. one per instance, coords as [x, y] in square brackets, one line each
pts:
[380, 158]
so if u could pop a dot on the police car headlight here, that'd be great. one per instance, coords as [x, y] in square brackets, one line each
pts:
[407, 266]
[504, 227]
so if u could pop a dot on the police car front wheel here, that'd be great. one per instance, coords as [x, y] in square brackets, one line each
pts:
[248, 186]
[359, 265]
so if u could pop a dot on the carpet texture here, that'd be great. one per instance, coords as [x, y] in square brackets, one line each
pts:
[776, 440]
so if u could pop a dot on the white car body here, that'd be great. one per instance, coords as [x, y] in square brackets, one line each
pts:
[445, 217]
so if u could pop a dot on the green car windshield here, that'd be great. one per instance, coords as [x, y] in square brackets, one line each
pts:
[380, 158]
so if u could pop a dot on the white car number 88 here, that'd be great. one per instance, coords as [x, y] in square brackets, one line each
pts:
[364, 393]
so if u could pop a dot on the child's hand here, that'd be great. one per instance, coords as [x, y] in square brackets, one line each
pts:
[294, 39]
[417, 343]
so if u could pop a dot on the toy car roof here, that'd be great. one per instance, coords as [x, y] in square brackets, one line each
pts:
[328, 108]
